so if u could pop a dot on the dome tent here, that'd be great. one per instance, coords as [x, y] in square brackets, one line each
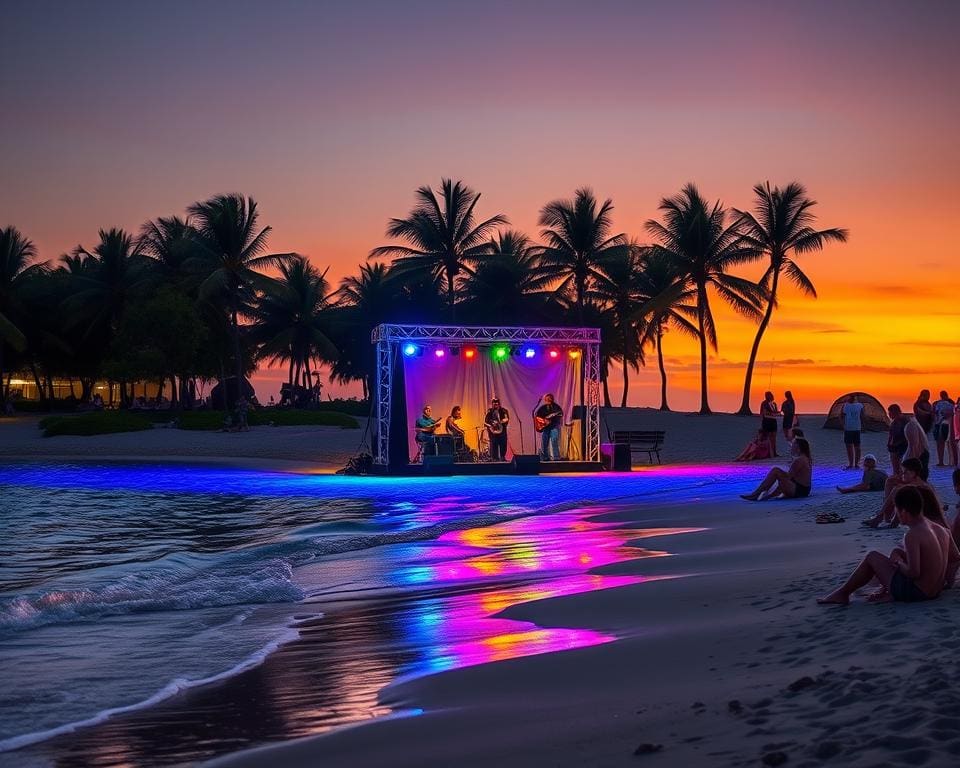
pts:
[874, 417]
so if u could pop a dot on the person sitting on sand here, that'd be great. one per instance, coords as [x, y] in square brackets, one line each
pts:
[955, 528]
[909, 475]
[918, 572]
[873, 479]
[792, 483]
[758, 448]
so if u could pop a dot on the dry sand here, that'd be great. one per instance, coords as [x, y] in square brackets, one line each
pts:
[731, 664]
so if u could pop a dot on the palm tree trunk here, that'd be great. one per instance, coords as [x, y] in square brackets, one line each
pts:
[236, 344]
[41, 393]
[663, 371]
[626, 383]
[745, 403]
[701, 296]
[3, 390]
[451, 297]
[290, 372]
[604, 374]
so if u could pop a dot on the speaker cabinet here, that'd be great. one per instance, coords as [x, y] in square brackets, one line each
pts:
[438, 465]
[616, 457]
[526, 464]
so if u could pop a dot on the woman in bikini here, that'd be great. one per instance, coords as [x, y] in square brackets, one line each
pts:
[793, 483]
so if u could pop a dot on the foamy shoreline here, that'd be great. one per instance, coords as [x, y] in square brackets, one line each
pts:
[741, 627]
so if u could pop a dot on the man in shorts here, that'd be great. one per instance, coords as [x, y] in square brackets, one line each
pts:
[918, 572]
[942, 418]
[852, 427]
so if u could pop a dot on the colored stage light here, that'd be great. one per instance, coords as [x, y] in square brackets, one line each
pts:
[469, 353]
[529, 352]
[409, 349]
[501, 353]
[574, 354]
[554, 354]
[439, 352]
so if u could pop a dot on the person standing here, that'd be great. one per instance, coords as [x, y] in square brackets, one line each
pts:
[548, 418]
[789, 411]
[896, 440]
[923, 410]
[768, 421]
[917, 446]
[852, 412]
[496, 421]
[955, 442]
[942, 419]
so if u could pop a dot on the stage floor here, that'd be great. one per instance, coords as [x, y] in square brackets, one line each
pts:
[491, 468]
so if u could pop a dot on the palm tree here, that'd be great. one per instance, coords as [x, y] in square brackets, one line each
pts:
[172, 243]
[443, 239]
[291, 320]
[232, 255]
[660, 286]
[616, 287]
[578, 241]
[508, 282]
[779, 228]
[16, 252]
[363, 302]
[695, 237]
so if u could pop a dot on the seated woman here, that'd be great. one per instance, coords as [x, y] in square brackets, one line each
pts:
[758, 448]
[452, 425]
[792, 483]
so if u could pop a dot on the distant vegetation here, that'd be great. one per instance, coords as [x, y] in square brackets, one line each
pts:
[102, 423]
[194, 299]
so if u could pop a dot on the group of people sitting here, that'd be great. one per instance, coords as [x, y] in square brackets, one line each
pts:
[926, 561]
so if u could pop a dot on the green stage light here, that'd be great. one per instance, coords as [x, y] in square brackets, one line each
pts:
[501, 352]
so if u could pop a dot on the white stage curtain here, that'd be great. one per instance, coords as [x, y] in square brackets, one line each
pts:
[443, 382]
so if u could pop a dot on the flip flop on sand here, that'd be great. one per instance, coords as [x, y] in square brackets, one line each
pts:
[825, 518]
[871, 522]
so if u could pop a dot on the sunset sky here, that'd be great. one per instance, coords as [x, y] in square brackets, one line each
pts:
[331, 114]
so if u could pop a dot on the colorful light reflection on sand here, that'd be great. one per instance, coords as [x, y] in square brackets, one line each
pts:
[526, 559]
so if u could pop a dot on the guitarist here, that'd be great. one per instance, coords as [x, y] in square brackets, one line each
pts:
[496, 422]
[425, 427]
[546, 420]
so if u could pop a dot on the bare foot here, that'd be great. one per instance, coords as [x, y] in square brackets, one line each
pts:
[834, 598]
[750, 496]
[880, 596]
[872, 522]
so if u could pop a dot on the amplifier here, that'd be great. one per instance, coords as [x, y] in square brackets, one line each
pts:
[438, 465]
[526, 463]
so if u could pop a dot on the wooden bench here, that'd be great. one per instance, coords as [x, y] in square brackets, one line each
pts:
[641, 441]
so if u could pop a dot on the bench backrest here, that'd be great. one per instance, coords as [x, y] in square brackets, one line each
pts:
[639, 436]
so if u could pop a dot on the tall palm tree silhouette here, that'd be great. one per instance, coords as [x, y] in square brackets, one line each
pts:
[16, 254]
[232, 255]
[780, 228]
[442, 235]
[508, 282]
[666, 301]
[577, 241]
[694, 235]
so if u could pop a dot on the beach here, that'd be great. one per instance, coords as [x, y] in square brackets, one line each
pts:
[599, 620]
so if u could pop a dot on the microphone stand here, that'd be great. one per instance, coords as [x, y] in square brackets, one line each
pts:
[520, 424]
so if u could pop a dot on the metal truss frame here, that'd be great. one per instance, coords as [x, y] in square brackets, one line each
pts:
[388, 339]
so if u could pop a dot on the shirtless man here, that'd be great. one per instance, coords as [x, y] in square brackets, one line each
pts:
[929, 560]
[917, 445]
[793, 483]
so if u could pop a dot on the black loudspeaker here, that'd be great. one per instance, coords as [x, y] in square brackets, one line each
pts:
[438, 465]
[526, 464]
[578, 412]
[616, 457]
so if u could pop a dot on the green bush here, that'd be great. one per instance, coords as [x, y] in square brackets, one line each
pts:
[99, 423]
[352, 407]
[200, 420]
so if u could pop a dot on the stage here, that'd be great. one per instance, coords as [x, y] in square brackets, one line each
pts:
[451, 468]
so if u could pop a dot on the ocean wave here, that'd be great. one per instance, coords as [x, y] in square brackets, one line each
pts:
[163, 589]
[170, 689]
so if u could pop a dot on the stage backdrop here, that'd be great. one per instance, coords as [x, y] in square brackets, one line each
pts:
[470, 383]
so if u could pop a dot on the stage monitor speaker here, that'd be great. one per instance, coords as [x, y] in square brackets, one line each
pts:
[616, 457]
[578, 413]
[438, 465]
[526, 464]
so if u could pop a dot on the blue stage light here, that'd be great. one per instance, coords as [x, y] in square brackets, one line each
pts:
[529, 352]
[409, 349]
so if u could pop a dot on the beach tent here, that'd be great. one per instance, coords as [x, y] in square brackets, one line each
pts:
[874, 417]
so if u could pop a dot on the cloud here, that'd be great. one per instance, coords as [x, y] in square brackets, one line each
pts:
[933, 344]
[810, 326]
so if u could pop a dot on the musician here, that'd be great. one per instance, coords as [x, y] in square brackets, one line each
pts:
[454, 429]
[424, 427]
[496, 422]
[547, 419]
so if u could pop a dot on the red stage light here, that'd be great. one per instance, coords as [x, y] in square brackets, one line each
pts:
[469, 353]
[554, 354]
